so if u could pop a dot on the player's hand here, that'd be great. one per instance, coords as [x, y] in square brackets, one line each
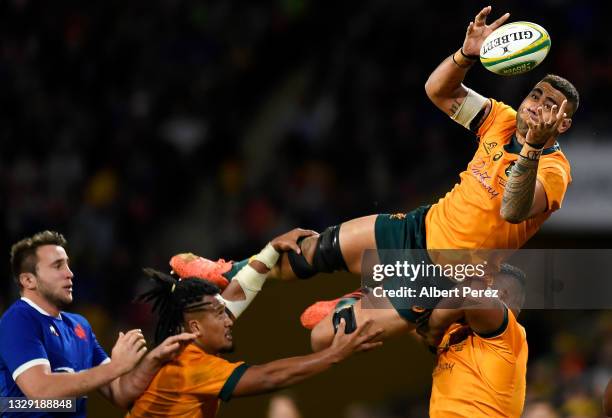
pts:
[362, 339]
[128, 350]
[431, 336]
[288, 241]
[171, 347]
[478, 30]
[544, 123]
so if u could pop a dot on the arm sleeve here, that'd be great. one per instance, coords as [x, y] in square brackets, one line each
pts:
[99, 355]
[554, 176]
[21, 343]
[500, 122]
[509, 338]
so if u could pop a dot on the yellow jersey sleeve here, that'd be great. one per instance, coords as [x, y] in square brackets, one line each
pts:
[215, 376]
[554, 175]
[500, 122]
[509, 340]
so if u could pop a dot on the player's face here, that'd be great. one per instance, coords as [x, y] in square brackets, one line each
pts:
[510, 290]
[544, 95]
[216, 327]
[53, 276]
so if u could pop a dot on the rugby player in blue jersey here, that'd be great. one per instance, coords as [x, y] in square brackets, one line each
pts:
[48, 353]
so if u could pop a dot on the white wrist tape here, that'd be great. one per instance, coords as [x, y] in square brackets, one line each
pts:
[470, 107]
[268, 256]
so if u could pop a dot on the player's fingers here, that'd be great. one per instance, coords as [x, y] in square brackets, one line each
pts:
[365, 327]
[170, 349]
[481, 17]
[562, 109]
[306, 233]
[499, 21]
[470, 28]
[370, 336]
[553, 114]
[370, 346]
[341, 327]
[134, 335]
[184, 337]
[133, 332]
[540, 115]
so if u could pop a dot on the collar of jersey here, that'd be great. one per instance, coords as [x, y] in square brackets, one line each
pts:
[39, 309]
[514, 147]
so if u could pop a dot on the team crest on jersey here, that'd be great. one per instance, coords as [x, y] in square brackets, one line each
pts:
[399, 216]
[53, 330]
[489, 146]
[80, 332]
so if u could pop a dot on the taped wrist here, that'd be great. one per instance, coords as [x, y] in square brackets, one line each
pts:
[471, 106]
[268, 256]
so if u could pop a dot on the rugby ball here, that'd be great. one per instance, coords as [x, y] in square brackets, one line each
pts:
[515, 48]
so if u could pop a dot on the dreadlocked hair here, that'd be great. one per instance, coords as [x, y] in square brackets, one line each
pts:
[171, 298]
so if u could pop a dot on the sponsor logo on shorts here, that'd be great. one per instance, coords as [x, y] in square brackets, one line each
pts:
[398, 216]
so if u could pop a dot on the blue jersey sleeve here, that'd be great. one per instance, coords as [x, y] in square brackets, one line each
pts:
[21, 343]
[99, 355]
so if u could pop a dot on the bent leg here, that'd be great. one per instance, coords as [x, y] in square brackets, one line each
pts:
[384, 316]
[354, 236]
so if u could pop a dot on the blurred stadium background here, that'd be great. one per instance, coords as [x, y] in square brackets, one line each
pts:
[143, 129]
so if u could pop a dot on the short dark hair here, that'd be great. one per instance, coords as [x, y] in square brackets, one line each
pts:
[23, 253]
[565, 87]
[172, 298]
[515, 272]
[520, 276]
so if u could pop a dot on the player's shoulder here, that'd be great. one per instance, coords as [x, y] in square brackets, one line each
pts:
[19, 310]
[500, 120]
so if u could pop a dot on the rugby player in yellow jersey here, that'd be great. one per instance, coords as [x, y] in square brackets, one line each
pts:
[481, 360]
[515, 181]
[194, 383]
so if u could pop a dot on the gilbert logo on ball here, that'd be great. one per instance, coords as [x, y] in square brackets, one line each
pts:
[515, 48]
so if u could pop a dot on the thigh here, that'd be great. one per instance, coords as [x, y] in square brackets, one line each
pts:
[356, 236]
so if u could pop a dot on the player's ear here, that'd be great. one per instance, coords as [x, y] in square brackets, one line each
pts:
[565, 125]
[194, 327]
[27, 281]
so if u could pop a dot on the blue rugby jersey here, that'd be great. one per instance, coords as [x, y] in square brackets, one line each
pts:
[29, 336]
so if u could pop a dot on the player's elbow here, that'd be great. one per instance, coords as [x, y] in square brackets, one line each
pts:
[511, 216]
[431, 89]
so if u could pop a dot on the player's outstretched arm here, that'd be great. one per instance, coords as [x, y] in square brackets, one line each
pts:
[40, 382]
[445, 88]
[524, 196]
[285, 372]
[124, 390]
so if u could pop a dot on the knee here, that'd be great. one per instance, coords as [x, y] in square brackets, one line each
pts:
[320, 254]
[321, 336]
